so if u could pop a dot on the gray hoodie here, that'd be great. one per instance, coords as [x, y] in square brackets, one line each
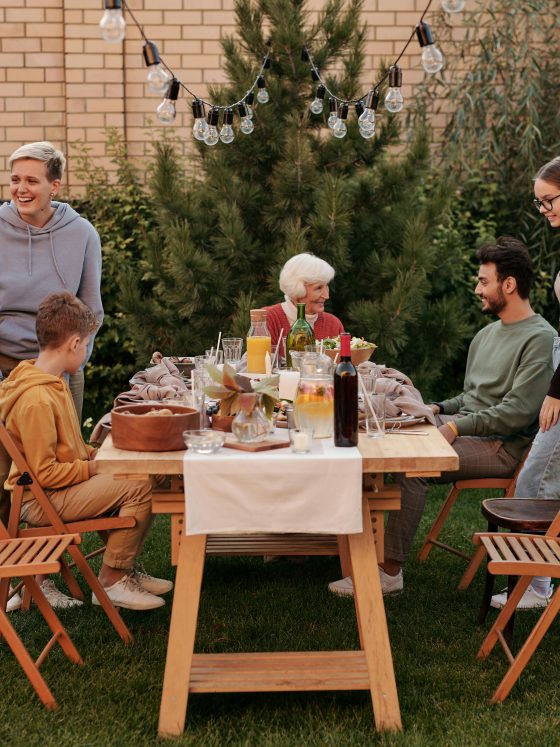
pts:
[65, 254]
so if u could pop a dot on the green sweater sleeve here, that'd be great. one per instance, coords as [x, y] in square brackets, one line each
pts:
[508, 374]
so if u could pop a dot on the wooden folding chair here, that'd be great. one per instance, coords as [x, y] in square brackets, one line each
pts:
[25, 558]
[523, 555]
[506, 484]
[27, 480]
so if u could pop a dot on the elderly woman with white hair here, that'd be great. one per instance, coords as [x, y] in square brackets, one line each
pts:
[45, 247]
[304, 279]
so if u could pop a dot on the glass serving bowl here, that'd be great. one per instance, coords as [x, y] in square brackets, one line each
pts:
[204, 441]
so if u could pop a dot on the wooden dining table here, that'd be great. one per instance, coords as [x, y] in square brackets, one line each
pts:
[368, 668]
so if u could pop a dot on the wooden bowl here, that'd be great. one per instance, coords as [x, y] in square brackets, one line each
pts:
[360, 355]
[134, 430]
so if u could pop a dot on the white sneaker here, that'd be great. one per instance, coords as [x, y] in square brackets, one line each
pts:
[152, 584]
[128, 593]
[14, 602]
[531, 600]
[56, 598]
[389, 584]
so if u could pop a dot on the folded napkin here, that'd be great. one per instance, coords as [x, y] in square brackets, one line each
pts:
[401, 397]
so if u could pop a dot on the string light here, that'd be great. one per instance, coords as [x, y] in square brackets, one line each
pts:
[158, 78]
[226, 133]
[161, 78]
[432, 58]
[366, 105]
[394, 101]
[166, 111]
[112, 24]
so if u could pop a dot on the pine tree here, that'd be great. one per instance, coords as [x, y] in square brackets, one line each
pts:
[223, 235]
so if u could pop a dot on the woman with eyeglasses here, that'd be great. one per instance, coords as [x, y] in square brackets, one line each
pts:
[540, 475]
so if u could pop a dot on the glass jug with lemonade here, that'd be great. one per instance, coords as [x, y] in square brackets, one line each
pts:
[258, 342]
[314, 404]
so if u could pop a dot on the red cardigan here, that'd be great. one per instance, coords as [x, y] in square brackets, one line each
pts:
[327, 325]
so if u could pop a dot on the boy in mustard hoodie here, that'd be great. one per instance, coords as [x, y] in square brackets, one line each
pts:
[37, 408]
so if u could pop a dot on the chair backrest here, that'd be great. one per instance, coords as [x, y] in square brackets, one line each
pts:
[26, 480]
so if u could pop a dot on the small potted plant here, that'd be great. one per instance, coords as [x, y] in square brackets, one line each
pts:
[237, 393]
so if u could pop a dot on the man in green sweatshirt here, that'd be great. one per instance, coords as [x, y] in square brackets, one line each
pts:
[491, 423]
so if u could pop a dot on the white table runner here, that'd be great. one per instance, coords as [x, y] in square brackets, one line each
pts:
[238, 492]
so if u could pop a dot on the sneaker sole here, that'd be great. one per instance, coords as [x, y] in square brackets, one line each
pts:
[123, 605]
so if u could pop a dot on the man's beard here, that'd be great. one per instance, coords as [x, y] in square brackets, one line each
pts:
[495, 305]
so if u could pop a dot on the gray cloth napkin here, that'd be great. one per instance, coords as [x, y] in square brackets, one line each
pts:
[401, 398]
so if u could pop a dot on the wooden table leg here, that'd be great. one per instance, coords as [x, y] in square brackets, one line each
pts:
[375, 636]
[182, 632]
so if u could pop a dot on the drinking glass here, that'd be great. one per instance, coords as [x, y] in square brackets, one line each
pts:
[233, 348]
[215, 357]
[375, 415]
[200, 362]
[199, 380]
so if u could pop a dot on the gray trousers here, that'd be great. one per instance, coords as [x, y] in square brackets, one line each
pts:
[76, 384]
[478, 457]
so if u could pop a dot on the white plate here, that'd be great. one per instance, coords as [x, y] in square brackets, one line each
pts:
[404, 420]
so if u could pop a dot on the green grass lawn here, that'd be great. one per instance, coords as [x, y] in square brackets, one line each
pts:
[247, 605]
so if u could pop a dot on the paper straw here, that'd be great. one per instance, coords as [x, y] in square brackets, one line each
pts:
[219, 341]
[321, 348]
[335, 359]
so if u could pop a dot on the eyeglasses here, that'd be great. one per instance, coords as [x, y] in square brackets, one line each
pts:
[546, 204]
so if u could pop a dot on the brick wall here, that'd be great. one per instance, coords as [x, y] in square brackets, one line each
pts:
[60, 81]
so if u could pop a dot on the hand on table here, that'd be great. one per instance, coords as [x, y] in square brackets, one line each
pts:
[435, 408]
[550, 411]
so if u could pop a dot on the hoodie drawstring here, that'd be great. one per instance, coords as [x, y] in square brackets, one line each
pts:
[54, 260]
[29, 256]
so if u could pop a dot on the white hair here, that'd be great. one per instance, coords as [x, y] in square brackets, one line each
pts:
[301, 269]
[42, 151]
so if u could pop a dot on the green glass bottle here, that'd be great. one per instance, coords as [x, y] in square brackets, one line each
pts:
[300, 335]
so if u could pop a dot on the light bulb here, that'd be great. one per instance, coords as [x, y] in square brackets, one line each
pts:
[200, 125]
[200, 128]
[432, 59]
[262, 96]
[317, 103]
[339, 129]
[333, 116]
[394, 101]
[366, 120]
[166, 111]
[262, 93]
[249, 98]
[246, 126]
[112, 25]
[226, 133]
[452, 6]
[367, 134]
[211, 137]
[158, 79]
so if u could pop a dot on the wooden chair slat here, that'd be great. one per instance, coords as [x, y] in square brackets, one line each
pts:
[554, 545]
[515, 545]
[531, 548]
[505, 549]
[545, 550]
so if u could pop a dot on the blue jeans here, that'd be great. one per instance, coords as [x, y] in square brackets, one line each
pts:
[540, 475]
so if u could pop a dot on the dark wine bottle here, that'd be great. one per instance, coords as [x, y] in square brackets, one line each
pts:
[345, 397]
[300, 335]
